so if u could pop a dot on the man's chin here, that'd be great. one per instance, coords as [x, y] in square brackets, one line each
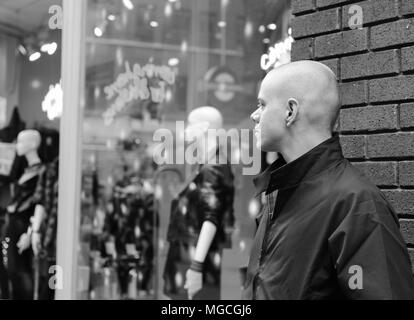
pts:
[261, 147]
[264, 148]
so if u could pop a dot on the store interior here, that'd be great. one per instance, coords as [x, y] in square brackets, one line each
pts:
[30, 61]
[210, 54]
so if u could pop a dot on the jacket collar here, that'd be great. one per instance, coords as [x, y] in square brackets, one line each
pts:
[280, 175]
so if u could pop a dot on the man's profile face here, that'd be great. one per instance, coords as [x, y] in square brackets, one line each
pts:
[269, 118]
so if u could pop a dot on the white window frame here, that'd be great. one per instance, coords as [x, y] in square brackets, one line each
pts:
[73, 70]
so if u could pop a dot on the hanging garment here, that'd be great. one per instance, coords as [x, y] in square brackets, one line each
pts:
[207, 196]
[21, 209]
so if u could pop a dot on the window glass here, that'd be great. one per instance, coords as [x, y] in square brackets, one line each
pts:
[30, 112]
[148, 65]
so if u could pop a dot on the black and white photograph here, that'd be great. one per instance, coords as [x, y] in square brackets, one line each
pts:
[206, 154]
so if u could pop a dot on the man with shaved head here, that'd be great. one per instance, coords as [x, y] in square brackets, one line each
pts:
[325, 232]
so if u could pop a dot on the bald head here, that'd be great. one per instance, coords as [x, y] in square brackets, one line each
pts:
[313, 85]
[31, 137]
[27, 141]
[206, 115]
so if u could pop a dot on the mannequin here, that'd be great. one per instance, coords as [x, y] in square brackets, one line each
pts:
[208, 200]
[20, 211]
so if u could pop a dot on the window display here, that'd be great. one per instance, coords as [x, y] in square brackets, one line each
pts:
[29, 141]
[148, 66]
[201, 217]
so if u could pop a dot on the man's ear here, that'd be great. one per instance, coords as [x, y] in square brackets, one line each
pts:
[292, 111]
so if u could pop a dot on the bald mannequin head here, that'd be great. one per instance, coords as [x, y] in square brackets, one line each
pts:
[298, 100]
[28, 141]
[200, 121]
[206, 115]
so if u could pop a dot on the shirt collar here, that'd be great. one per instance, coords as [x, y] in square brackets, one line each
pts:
[282, 175]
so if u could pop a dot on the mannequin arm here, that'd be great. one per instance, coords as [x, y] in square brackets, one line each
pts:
[37, 220]
[208, 231]
[194, 279]
[38, 217]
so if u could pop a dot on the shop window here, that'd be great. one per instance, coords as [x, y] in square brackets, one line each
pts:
[147, 67]
[30, 113]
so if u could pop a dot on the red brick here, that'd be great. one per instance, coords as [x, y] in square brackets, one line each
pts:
[341, 43]
[302, 49]
[353, 146]
[325, 3]
[407, 230]
[316, 23]
[368, 64]
[407, 7]
[391, 89]
[407, 115]
[390, 145]
[401, 200]
[380, 173]
[353, 93]
[372, 10]
[393, 33]
[406, 173]
[300, 6]
[333, 65]
[369, 118]
[407, 58]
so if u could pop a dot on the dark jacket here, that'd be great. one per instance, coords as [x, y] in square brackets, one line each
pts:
[207, 196]
[330, 234]
[47, 191]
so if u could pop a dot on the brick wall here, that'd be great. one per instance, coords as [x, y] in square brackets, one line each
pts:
[375, 65]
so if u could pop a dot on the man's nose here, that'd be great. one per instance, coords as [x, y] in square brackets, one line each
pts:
[255, 116]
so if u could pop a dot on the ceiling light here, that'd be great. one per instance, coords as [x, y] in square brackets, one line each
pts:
[44, 47]
[111, 17]
[128, 4]
[168, 10]
[36, 84]
[184, 46]
[52, 48]
[266, 40]
[154, 24]
[22, 49]
[248, 29]
[35, 56]
[272, 26]
[173, 62]
[222, 24]
[262, 29]
[98, 32]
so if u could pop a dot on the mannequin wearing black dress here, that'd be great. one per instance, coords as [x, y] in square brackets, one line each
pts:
[20, 210]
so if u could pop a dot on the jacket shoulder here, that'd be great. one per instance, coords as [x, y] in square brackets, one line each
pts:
[352, 192]
[350, 182]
